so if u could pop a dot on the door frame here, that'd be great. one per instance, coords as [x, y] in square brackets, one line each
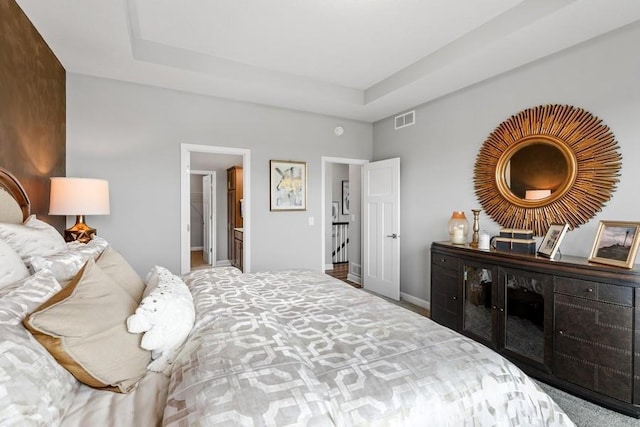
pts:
[324, 160]
[185, 166]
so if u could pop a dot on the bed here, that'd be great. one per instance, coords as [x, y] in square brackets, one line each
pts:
[293, 347]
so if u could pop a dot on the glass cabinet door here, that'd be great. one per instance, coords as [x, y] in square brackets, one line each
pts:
[477, 304]
[524, 308]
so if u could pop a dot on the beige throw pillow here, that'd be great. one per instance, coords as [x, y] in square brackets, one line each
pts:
[84, 327]
[112, 263]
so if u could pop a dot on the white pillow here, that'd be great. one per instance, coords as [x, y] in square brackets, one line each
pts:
[33, 238]
[66, 264]
[12, 268]
[24, 296]
[166, 316]
[34, 388]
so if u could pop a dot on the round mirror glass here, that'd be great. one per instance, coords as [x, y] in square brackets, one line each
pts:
[536, 171]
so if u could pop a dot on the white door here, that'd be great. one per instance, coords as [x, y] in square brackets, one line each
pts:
[381, 227]
[208, 229]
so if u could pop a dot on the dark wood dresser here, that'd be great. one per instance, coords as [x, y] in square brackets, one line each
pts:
[568, 322]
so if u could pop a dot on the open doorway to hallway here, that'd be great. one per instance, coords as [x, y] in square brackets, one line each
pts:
[342, 218]
[199, 161]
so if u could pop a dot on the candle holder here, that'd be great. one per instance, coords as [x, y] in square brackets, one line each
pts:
[458, 227]
[476, 227]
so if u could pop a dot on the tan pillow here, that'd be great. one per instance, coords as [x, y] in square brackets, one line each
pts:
[84, 327]
[112, 263]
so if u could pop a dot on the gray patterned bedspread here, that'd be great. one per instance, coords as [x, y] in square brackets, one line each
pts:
[301, 348]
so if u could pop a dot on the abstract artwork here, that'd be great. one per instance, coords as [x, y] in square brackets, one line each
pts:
[288, 185]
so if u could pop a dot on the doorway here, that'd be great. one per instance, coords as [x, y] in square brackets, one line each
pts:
[341, 217]
[199, 158]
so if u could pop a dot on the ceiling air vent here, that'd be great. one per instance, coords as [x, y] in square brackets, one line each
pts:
[406, 119]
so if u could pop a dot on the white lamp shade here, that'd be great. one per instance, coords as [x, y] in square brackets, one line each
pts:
[79, 196]
[537, 194]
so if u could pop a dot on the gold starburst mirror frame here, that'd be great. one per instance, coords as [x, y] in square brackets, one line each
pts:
[545, 165]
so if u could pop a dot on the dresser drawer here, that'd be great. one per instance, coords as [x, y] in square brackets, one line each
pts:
[604, 292]
[593, 345]
[444, 261]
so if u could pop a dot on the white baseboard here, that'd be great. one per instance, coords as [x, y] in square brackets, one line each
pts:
[328, 267]
[415, 301]
[354, 278]
[223, 263]
[197, 248]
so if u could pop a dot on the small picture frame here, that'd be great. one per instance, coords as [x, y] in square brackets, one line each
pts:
[335, 209]
[288, 185]
[345, 197]
[616, 243]
[552, 240]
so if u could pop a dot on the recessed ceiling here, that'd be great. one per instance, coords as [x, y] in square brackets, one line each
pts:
[358, 59]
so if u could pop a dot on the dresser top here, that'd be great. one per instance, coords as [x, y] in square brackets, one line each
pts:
[565, 263]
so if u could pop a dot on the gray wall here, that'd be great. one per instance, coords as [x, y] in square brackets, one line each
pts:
[131, 134]
[438, 153]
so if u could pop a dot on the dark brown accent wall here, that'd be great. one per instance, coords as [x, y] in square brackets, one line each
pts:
[32, 108]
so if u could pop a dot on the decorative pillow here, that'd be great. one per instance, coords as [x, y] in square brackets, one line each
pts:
[34, 388]
[165, 315]
[112, 263]
[84, 327]
[12, 268]
[33, 238]
[24, 296]
[66, 264]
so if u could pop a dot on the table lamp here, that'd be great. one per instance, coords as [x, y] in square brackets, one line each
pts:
[79, 197]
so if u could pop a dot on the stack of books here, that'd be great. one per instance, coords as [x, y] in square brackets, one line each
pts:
[515, 240]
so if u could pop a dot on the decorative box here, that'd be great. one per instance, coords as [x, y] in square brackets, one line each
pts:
[514, 233]
[520, 246]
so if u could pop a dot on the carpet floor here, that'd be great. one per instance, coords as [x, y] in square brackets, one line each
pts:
[587, 414]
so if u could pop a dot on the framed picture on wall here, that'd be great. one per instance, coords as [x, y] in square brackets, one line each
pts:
[345, 197]
[616, 243]
[551, 243]
[335, 210]
[288, 185]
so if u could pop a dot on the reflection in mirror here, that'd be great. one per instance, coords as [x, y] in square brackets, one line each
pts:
[536, 171]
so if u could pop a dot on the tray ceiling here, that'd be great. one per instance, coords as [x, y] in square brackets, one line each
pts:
[358, 59]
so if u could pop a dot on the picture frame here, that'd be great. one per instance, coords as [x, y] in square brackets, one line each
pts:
[552, 240]
[287, 185]
[345, 197]
[616, 243]
[335, 209]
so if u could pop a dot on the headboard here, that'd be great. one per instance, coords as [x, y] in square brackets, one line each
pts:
[15, 206]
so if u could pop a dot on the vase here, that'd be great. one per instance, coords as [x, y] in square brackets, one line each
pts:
[458, 228]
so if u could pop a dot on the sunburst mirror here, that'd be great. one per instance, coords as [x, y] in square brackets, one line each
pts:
[547, 164]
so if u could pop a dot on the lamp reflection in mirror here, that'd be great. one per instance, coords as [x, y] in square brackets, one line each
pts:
[79, 197]
[537, 194]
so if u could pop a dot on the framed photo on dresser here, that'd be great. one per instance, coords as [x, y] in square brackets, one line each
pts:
[616, 243]
[551, 242]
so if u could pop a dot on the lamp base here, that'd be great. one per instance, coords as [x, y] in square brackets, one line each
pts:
[80, 232]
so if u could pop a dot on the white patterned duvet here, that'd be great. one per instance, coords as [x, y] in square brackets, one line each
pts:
[301, 348]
